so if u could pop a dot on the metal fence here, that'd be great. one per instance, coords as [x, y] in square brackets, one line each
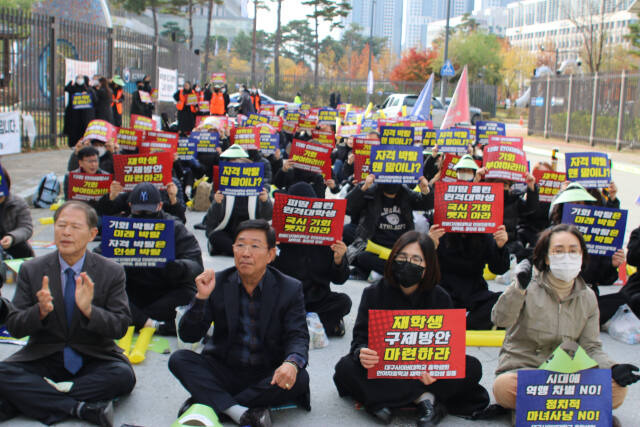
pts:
[33, 49]
[598, 108]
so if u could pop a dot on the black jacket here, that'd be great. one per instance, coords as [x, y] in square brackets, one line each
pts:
[140, 108]
[382, 296]
[633, 258]
[104, 98]
[283, 180]
[283, 325]
[246, 106]
[76, 121]
[516, 206]
[120, 206]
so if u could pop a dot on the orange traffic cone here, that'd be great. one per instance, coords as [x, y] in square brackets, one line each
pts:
[521, 121]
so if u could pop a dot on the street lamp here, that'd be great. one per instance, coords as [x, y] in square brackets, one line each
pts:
[373, 5]
[443, 80]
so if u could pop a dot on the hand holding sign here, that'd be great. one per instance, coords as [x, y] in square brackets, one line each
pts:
[617, 258]
[205, 284]
[427, 379]
[339, 249]
[368, 358]
[501, 236]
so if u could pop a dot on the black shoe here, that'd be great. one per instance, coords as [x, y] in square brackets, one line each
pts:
[186, 405]
[166, 329]
[338, 331]
[430, 414]
[383, 414]
[256, 417]
[200, 226]
[7, 411]
[98, 413]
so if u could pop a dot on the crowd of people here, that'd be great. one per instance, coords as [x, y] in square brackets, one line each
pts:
[73, 303]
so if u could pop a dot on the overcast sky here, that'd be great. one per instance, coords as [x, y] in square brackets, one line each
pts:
[291, 10]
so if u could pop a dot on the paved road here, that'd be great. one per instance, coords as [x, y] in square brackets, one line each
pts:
[158, 395]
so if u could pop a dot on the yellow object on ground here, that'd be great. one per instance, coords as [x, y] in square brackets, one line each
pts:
[487, 274]
[485, 338]
[198, 415]
[379, 250]
[631, 270]
[125, 342]
[55, 206]
[139, 351]
[46, 220]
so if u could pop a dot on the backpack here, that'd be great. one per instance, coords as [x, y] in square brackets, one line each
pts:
[47, 191]
[201, 200]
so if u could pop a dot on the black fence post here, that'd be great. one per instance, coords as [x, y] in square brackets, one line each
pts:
[53, 115]
[109, 52]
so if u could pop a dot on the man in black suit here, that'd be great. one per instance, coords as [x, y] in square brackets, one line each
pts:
[73, 305]
[257, 356]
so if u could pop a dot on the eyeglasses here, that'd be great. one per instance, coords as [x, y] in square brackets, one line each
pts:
[241, 247]
[414, 259]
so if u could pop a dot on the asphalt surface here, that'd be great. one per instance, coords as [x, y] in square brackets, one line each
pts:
[158, 395]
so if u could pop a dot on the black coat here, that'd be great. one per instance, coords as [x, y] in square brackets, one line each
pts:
[120, 206]
[140, 108]
[516, 206]
[104, 98]
[186, 117]
[76, 121]
[283, 325]
[633, 258]
[283, 180]
[246, 106]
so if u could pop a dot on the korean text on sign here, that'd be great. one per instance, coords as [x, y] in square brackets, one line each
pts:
[241, 179]
[453, 140]
[486, 129]
[396, 164]
[308, 221]
[137, 242]
[602, 228]
[130, 170]
[311, 157]
[187, 149]
[362, 158]
[591, 170]
[468, 207]
[411, 342]
[88, 187]
[505, 158]
[246, 137]
[206, 142]
[549, 183]
[396, 135]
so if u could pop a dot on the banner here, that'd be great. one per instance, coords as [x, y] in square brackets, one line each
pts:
[74, 68]
[362, 158]
[602, 228]
[309, 221]
[81, 101]
[246, 137]
[591, 170]
[206, 142]
[167, 84]
[136, 242]
[132, 169]
[88, 187]
[269, 140]
[454, 140]
[462, 207]
[256, 119]
[396, 164]
[101, 130]
[411, 342]
[327, 116]
[505, 158]
[486, 129]
[396, 135]
[4, 184]
[323, 137]
[10, 133]
[311, 157]
[128, 139]
[218, 78]
[549, 183]
[546, 398]
[142, 123]
[241, 179]
[187, 149]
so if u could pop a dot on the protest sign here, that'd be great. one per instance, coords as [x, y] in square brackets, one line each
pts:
[324, 137]
[192, 99]
[137, 242]
[4, 184]
[81, 101]
[369, 125]
[269, 140]
[305, 108]
[291, 119]
[311, 157]
[546, 398]
[309, 221]
[74, 68]
[206, 141]
[602, 228]
[132, 169]
[396, 135]
[10, 132]
[345, 131]
[212, 122]
[167, 84]
[255, 119]
[454, 140]
[419, 126]
[412, 342]
[145, 97]
[486, 129]
[268, 110]
[88, 187]
[187, 149]
[504, 158]
[142, 123]
[101, 130]
[591, 170]
[153, 141]
[448, 173]
[362, 157]
[246, 137]
[327, 116]
[429, 138]
[203, 106]
[292, 116]
[218, 78]
[462, 207]
[396, 164]
[276, 122]
[128, 139]
[241, 179]
[549, 183]
[306, 124]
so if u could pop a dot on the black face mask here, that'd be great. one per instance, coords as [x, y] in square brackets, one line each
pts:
[146, 214]
[406, 273]
[390, 188]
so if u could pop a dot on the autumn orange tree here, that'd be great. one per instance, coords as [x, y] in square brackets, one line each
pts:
[415, 65]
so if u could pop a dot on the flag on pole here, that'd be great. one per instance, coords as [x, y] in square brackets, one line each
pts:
[458, 111]
[215, 53]
[370, 82]
[367, 112]
[422, 108]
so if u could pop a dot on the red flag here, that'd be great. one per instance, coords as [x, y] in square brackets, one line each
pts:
[458, 111]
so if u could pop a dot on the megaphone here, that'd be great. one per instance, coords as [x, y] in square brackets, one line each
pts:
[377, 249]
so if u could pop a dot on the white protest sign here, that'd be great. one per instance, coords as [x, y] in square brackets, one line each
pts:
[9, 132]
[167, 84]
[74, 68]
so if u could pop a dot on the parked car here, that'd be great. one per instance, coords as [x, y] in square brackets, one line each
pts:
[393, 105]
[234, 105]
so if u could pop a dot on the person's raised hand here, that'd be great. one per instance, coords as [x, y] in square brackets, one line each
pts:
[612, 190]
[424, 185]
[285, 376]
[114, 189]
[618, 258]
[368, 358]
[286, 165]
[624, 375]
[45, 300]
[480, 173]
[427, 379]
[205, 284]
[218, 197]
[523, 273]
[84, 294]
[330, 183]
[531, 181]
[368, 182]
[500, 236]
[6, 241]
[436, 232]
[263, 196]
[339, 248]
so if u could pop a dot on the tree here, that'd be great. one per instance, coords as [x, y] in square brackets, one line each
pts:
[172, 30]
[276, 48]
[24, 5]
[297, 40]
[207, 38]
[414, 66]
[257, 4]
[517, 64]
[328, 11]
[242, 45]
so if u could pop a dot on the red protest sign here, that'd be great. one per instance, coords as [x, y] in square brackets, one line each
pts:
[465, 207]
[361, 158]
[101, 130]
[88, 187]
[154, 141]
[411, 342]
[448, 163]
[549, 183]
[212, 122]
[306, 124]
[142, 123]
[132, 169]
[324, 137]
[309, 221]
[269, 110]
[128, 139]
[504, 158]
[246, 137]
[276, 122]
[311, 157]
[218, 78]
[203, 106]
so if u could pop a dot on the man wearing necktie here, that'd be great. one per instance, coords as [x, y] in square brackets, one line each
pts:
[72, 304]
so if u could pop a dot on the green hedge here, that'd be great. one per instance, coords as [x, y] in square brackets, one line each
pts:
[606, 126]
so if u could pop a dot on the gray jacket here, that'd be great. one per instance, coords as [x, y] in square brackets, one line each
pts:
[537, 323]
[16, 219]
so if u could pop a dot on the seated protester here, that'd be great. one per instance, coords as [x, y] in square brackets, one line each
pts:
[289, 175]
[16, 226]
[632, 289]
[410, 282]
[105, 154]
[546, 309]
[276, 160]
[73, 306]
[209, 160]
[599, 270]
[87, 163]
[385, 213]
[154, 293]
[226, 213]
[516, 205]
[317, 267]
[531, 224]
[258, 353]
[432, 165]
[256, 157]
[340, 156]
[116, 202]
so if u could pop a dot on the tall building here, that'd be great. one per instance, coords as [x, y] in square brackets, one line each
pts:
[387, 20]
[417, 15]
[494, 20]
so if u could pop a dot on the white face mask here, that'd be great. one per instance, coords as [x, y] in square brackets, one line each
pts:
[79, 82]
[466, 176]
[101, 151]
[565, 267]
